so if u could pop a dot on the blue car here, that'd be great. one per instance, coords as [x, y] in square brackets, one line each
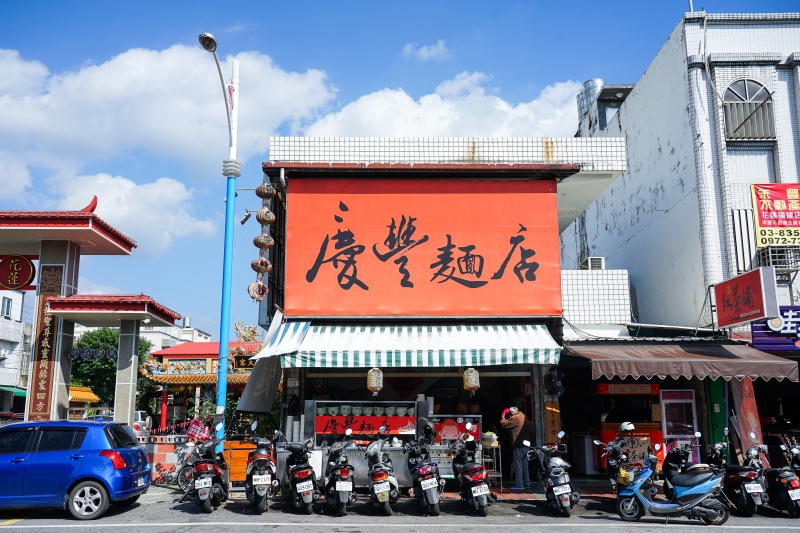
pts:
[81, 466]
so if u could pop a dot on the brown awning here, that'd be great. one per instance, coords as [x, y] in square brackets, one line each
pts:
[699, 360]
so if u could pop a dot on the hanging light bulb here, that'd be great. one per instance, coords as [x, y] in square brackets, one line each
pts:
[375, 381]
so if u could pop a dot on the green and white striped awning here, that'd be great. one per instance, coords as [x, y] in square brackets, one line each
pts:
[306, 345]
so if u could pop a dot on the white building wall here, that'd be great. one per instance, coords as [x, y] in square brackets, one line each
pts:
[12, 339]
[680, 241]
[647, 221]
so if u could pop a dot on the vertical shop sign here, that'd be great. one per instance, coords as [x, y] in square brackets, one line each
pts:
[776, 207]
[747, 420]
[743, 299]
[50, 281]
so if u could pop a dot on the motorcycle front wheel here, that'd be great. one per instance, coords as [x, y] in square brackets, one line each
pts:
[629, 509]
[721, 518]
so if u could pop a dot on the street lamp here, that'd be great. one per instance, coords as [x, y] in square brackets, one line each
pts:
[231, 169]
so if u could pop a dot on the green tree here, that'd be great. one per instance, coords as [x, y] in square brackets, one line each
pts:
[101, 374]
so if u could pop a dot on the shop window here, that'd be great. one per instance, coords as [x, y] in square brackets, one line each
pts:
[749, 113]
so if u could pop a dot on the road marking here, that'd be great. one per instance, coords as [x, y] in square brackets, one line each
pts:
[464, 525]
[9, 522]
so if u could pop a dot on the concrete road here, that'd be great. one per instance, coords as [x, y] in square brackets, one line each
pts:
[159, 511]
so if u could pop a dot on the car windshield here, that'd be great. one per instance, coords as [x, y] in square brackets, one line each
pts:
[121, 436]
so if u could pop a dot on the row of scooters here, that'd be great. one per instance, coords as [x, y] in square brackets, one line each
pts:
[707, 491]
[205, 477]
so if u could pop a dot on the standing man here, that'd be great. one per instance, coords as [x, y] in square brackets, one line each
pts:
[513, 419]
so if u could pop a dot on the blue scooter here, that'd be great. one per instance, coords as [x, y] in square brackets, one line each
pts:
[698, 496]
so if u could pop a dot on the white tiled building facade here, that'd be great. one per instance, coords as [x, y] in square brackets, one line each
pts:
[15, 340]
[670, 217]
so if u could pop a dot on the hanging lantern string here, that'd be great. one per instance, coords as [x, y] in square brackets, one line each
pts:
[258, 289]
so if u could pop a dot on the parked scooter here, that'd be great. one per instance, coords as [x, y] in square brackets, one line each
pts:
[472, 477]
[383, 488]
[553, 473]
[300, 474]
[425, 480]
[676, 461]
[339, 478]
[616, 457]
[698, 495]
[783, 486]
[261, 483]
[741, 486]
[210, 472]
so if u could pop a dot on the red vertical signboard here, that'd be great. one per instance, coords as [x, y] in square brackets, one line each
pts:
[43, 364]
[751, 296]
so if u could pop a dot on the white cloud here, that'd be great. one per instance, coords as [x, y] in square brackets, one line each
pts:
[167, 102]
[459, 107]
[14, 175]
[426, 52]
[153, 214]
[86, 286]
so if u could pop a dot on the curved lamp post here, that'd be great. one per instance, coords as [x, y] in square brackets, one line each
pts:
[231, 169]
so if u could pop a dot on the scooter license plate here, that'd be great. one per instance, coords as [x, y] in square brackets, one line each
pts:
[430, 483]
[262, 480]
[480, 490]
[563, 489]
[794, 494]
[753, 487]
[344, 486]
[381, 487]
[202, 483]
[305, 486]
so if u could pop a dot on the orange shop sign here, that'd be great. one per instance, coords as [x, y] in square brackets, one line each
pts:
[422, 248]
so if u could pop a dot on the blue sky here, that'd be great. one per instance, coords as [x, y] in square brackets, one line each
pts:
[117, 99]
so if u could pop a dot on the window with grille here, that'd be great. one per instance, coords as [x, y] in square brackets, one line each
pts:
[749, 113]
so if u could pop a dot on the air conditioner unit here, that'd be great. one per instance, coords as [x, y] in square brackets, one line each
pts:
[593, 263]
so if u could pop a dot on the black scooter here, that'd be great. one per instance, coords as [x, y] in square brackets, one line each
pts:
[300, 474]
[339, 490]
[783, 486]
[425, 480]
[261, 483]
[616, 458]
[552, 469]
[472, 476]
[741, 484]
[210, 476]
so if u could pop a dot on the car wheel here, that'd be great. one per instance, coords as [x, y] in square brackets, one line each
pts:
[126, 502]
[88, 500]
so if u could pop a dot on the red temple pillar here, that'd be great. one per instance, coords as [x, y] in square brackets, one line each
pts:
[164, 408]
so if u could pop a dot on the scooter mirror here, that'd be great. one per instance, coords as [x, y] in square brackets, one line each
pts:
[254, 425]
[783, 447]
[725, 431]
[348, 432]
[468, 426]
[657, 446]
[698, 434]
[752, 435]
[427, 430]
[526, 443]
[470, 438]
[190, 444]
[597, 442]
[561, 434]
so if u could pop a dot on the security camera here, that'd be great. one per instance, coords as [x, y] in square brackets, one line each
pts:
[246, 217]
[146, 320]
[208, 42]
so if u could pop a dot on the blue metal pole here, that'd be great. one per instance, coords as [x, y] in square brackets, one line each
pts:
[225, 314]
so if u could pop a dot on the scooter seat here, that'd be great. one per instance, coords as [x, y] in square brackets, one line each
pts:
[737, 468]
[690, 479]
[697, 466]
[777, 471]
